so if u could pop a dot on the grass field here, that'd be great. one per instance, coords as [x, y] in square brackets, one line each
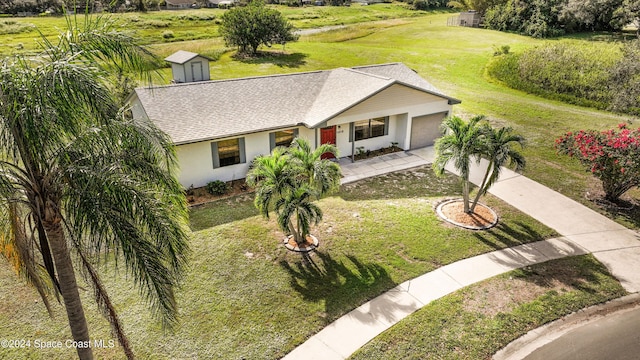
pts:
[245, 296]
[475, 322]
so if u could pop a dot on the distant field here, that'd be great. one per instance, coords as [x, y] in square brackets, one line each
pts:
[18, 34]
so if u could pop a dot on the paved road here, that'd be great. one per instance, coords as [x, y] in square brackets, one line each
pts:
[614, 337]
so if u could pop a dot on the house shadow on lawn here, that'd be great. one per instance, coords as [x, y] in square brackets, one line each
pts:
[503, 235]
[280, 59]
[343, 285]
[222, 211]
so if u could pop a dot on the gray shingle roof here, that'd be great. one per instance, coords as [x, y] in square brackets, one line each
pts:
[180, 57]
[208, 110]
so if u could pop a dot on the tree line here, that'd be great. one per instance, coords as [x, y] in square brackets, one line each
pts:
[548, 18]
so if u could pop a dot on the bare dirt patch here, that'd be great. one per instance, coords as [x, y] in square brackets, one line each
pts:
[502, 295]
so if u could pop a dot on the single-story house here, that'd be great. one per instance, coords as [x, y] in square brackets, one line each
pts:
[179, 4]
[222, 4]
[220, 126]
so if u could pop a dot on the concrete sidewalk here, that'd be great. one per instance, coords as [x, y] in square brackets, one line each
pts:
[583, 231]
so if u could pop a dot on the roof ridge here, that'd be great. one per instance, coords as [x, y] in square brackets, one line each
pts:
[368, 74]
[236, 79]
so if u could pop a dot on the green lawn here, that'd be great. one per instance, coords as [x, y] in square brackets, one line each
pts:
[245, 296]
[475, 322]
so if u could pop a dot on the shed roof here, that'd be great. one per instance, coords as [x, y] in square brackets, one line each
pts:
[181, 57]
[208, 110]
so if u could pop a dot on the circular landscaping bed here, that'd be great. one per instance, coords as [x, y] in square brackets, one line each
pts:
[310, 244]
[452, 211]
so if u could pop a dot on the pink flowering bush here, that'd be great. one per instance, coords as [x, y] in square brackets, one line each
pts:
[613, 156]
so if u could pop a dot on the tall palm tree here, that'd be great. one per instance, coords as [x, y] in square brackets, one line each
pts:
[498, 150]
[79, 180]
[461, 141]
[288, 180]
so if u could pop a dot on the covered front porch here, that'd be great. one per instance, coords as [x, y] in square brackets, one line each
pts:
[353, 171]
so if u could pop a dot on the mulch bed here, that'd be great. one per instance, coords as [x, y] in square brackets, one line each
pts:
[481, 218]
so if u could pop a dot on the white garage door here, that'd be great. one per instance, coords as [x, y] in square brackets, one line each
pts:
[425, 129]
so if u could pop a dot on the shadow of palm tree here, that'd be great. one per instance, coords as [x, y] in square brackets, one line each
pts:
[279, 59]
[583, 273]
[342, 285]
[505, 235]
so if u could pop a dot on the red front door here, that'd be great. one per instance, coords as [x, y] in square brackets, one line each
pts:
[328, 136]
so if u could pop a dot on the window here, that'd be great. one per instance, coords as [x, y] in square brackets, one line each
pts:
[228, 152]
[371, 128]
[282, 138]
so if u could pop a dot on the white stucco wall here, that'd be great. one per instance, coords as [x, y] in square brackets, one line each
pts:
[400, 103]
[196, 162]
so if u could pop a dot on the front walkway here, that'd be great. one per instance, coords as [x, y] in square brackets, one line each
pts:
[583, 231]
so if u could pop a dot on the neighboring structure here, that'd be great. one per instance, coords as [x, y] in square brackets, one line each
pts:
[188, 67]
[220, 126]
[179, 4]
[469, 18]
[223, 4]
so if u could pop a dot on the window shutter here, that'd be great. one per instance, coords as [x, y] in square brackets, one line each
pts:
[295, 133]
[272, 140]
[243, 158]
[214, 155]
[386, 125]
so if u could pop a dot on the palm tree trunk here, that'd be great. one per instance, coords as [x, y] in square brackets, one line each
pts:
[68, 285]
[465, 195]
[484, 181]
[294, 232]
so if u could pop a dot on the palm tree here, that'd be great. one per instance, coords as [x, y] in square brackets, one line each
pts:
[297, 204]
[322, 175]
[288, 180]
[461, 141]
[498, 150]
[80, 180]
[271, 176]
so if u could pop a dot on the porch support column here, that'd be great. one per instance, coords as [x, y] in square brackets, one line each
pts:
[353, 142]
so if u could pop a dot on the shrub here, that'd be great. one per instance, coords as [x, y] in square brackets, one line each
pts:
[217, 187]
[168, 34]
[562, 71]
[612, 156]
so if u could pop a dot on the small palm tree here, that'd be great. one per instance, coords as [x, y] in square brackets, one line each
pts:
[498, 150]
[288, 180]
[322, 175]
[461, 141]
[296, 212]
[79, 181]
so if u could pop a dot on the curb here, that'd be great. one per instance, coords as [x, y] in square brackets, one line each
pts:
[545, 334]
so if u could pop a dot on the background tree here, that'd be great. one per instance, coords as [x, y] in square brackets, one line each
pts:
[629, 13]
[253, 25]
[288, 180]
[80, 181]
[460, 143]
